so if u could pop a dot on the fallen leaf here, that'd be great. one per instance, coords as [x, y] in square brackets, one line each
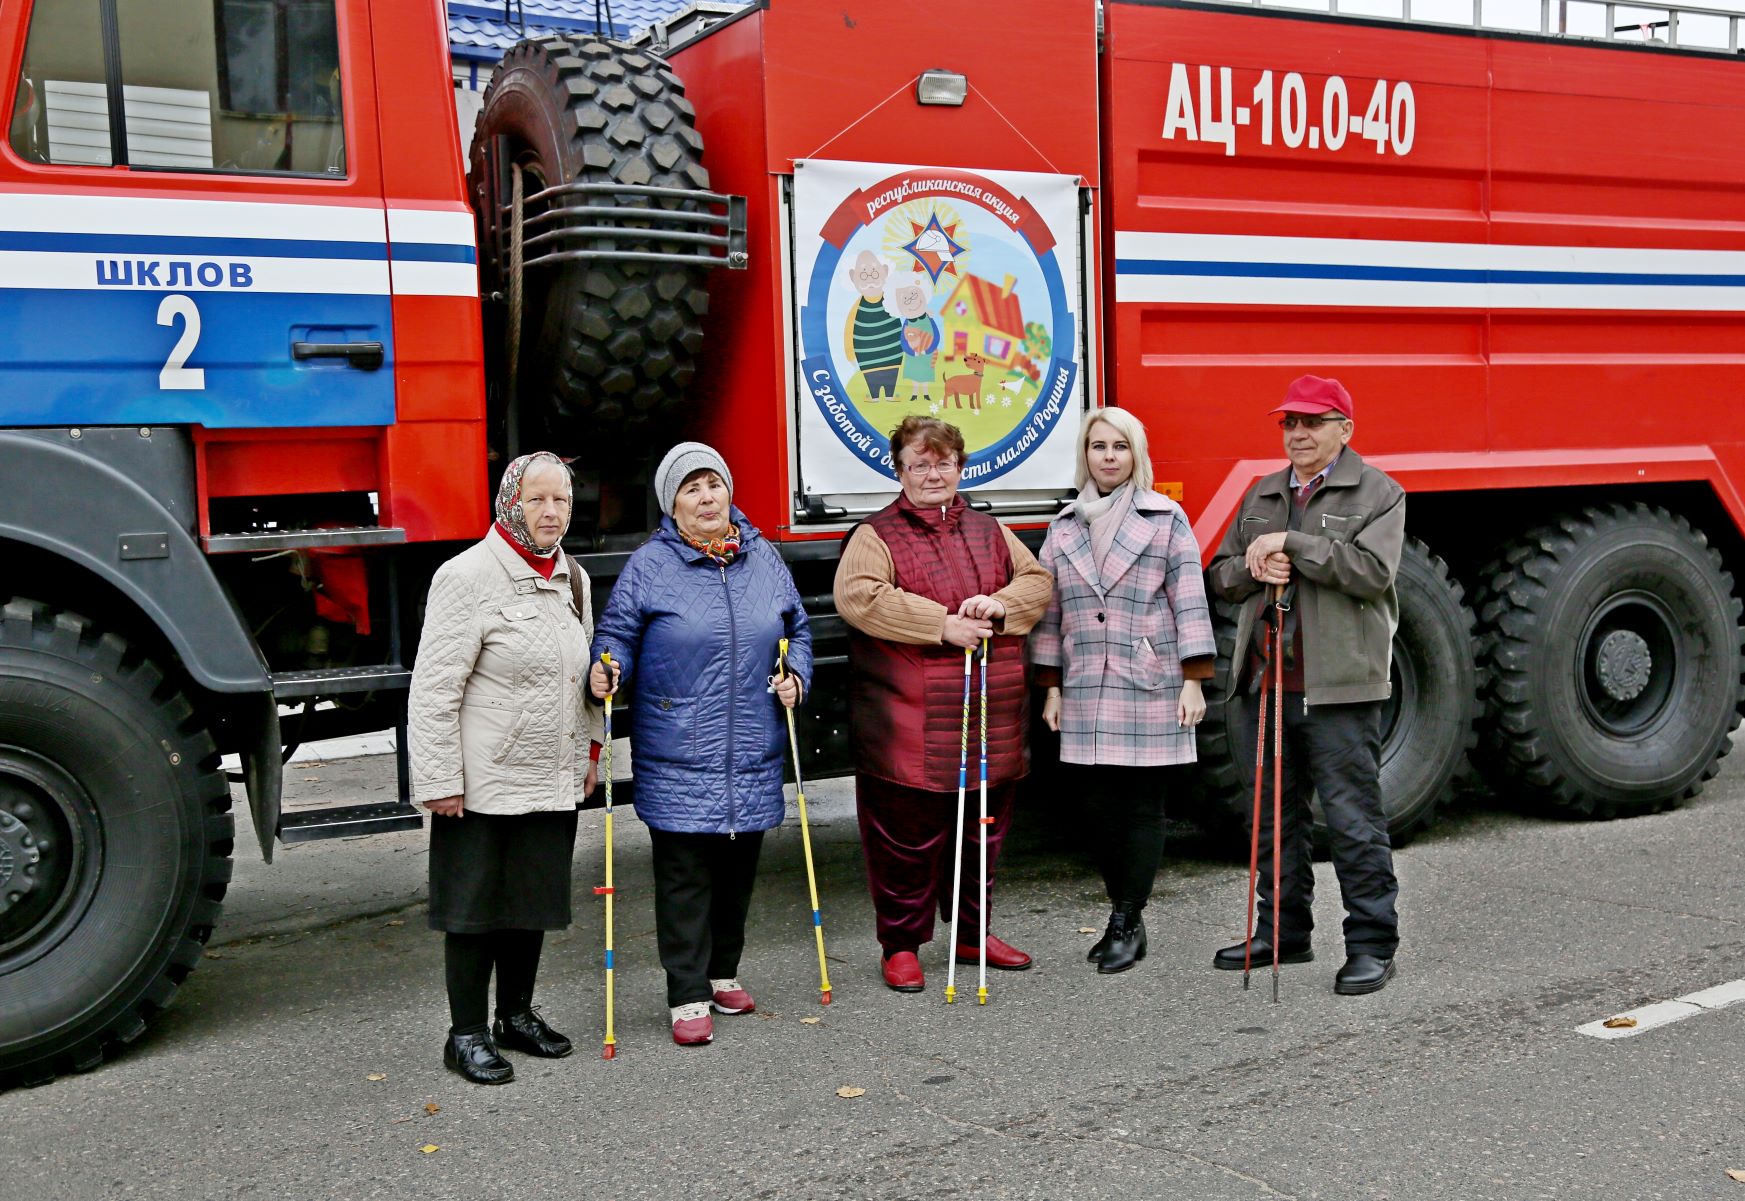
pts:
[1736, 1174]
[1087, 929]
[849, 1091]
[397, 922]
[311, 779]
[811, 1021]
[1619, 1023]
[427, 1148]
[432, 1107]
[213, 955]
[377, 1076]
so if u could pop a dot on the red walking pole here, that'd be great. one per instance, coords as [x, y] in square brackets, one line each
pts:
[1279, 608]
[1266, 672]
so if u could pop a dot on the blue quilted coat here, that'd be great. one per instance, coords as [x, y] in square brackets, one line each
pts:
[696, 643]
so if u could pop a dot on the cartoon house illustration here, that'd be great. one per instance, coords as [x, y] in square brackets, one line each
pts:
[983, 317]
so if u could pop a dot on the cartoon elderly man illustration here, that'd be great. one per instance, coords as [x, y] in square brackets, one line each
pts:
[876, 337]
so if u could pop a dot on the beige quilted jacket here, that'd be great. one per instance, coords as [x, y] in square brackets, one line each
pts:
[498, 708]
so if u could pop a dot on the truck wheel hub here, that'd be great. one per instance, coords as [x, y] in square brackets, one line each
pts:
[1624, 664]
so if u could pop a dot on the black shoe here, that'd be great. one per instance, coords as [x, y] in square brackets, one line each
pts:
[1229, 959]
[1101, 946]
[528, 1032]
[1363, 973]
[1127, 944]
[475, 1057]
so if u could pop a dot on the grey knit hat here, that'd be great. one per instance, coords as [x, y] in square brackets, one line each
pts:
[681, 461]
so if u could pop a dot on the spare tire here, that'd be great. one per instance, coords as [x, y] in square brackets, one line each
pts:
[605, 346]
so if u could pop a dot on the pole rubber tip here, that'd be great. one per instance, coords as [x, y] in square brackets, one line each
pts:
[609, 1052]
[950, 995]
[824, 997]
[982, 996]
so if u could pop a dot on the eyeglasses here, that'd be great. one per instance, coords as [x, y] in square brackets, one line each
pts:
[1291, 421]
[923, 470]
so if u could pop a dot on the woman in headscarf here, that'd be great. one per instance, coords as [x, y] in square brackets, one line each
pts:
[1123, 651]
[499, 731]
[693, 624]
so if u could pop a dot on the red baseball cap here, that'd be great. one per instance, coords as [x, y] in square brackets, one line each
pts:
[1312, 394]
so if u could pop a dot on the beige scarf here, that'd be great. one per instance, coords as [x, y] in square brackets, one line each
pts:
[1104, 515]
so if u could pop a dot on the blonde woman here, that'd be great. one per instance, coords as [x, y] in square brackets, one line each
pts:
[1124, 651]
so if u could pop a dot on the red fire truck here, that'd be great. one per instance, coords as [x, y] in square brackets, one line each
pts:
[266, 334]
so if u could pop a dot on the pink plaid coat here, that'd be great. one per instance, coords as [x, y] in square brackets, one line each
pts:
[1120, 642]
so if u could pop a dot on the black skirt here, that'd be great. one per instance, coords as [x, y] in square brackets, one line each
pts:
[501, 872]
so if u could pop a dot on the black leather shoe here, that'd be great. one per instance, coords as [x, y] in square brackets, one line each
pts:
[475, 1057]
[1361, 974]
[1101, 946]
[1127, 944]
[1229, 959]
[528, 1032]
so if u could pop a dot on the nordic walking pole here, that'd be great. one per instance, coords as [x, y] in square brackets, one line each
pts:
[957, 846]
[805, 832]
[985, 822]
[1266, 669]
[610, 1049]
[1279, 608]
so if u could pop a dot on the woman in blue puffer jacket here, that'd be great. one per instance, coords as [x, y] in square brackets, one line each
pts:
[694, 622]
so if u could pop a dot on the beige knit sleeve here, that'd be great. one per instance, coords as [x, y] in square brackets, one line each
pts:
[1027, 593]
[869, 600]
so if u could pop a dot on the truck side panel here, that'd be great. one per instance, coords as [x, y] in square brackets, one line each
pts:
[1488, 253]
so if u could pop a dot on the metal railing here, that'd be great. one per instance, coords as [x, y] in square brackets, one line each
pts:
[1684, 26]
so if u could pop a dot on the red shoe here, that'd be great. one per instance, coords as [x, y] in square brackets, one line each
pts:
[731, 997]
[692, 1025]
[903, 972]
[1001, 955]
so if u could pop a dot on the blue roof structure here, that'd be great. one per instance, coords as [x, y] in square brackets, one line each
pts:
[479, 30]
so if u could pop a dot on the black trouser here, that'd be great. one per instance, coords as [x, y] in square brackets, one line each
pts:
[702, 892]
[468, 960]
[1125, 807]
[1332, 752]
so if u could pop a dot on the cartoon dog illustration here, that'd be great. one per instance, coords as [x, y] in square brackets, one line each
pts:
[959, 386]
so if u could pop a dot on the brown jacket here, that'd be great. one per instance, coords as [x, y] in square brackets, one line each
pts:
[1344, 558]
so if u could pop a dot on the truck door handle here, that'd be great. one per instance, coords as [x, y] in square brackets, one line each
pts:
[365, 355]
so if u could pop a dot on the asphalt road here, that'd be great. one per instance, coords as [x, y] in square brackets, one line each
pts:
[302, 1060]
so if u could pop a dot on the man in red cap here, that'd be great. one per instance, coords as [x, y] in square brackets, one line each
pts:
[1328, 530]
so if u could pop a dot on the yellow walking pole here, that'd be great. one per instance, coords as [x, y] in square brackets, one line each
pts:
[957, 843]
[805, 834]
[610, 1050]
[985, 822]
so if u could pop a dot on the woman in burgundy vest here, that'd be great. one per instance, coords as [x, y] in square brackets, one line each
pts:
[919, 581]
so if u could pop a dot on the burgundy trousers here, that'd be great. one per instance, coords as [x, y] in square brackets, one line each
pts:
[906, 835]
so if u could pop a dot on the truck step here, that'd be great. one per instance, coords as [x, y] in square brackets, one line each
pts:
[348, 821]
[271, 540]
[332, 681]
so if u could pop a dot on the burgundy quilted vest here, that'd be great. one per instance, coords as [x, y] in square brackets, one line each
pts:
[907, 701]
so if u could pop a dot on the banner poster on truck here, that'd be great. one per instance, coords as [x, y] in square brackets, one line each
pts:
[937, 291]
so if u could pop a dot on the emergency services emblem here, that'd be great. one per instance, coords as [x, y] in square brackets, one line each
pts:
[943, 292]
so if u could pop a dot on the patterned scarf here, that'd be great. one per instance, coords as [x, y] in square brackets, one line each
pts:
[721, 550]
[509, 513]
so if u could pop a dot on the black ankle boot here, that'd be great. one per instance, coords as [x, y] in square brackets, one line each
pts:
[1101, 946]
[475, 1057]
[1126, 941]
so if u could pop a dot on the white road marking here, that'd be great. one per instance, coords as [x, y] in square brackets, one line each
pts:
[1662, 1013]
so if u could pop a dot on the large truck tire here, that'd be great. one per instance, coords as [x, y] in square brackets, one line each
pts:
[607, 348]
[115, 842]
[1611, 647]
[1428, 724]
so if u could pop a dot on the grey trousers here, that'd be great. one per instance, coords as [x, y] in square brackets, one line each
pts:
[1333, 752]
